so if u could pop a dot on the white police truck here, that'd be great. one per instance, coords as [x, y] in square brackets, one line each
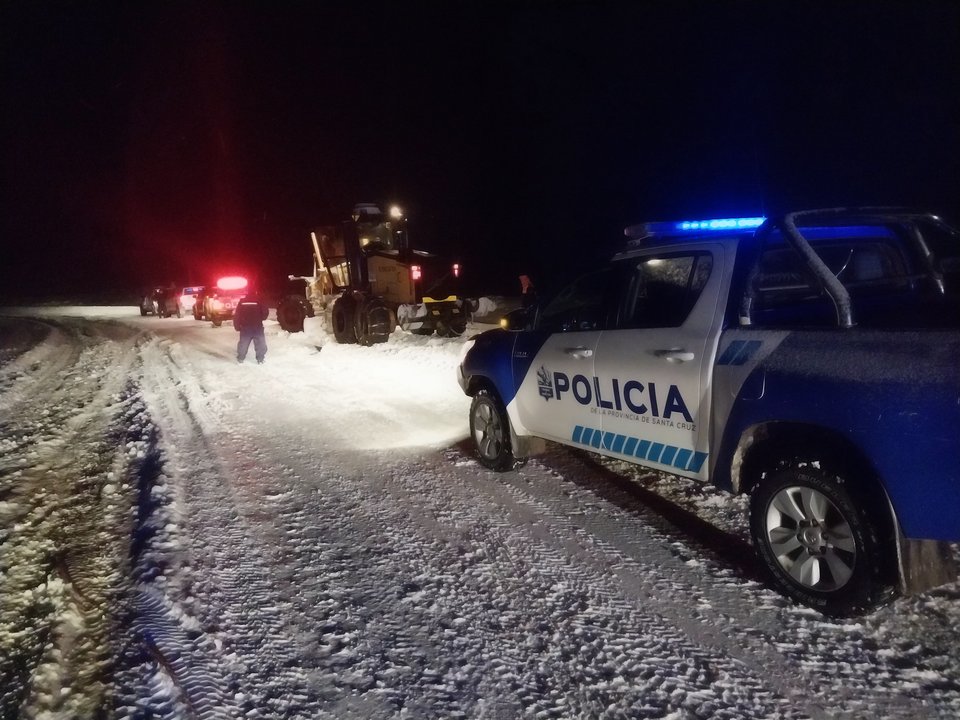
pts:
[810, 360]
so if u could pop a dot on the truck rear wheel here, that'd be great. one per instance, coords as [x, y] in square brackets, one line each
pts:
[817, 543]
[343, 317]
[374, 322]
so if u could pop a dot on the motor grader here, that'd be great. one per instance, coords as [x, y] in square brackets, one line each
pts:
[367, 281]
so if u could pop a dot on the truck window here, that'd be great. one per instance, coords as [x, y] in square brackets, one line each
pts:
[875, 271]
[582, 305]
[661, 291]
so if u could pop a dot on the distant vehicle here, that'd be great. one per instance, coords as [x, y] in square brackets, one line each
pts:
[188, 298]
[148, 301]
[160, 301]
[220, 301]
[809, 361]
[168, 301]
[200, 302]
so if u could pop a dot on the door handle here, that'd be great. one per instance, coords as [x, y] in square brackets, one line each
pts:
[675, 355]
[579, 352]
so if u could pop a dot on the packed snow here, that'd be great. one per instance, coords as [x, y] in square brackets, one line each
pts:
[185, 536]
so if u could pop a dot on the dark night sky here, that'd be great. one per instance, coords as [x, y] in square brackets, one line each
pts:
[144, 142]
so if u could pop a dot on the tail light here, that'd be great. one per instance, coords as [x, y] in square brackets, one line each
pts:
[415, 273]
[456, 269]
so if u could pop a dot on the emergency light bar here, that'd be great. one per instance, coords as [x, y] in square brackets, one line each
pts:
[232, 282]
[744, 223]
[651, 229]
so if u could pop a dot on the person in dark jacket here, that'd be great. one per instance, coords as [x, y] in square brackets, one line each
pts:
[248, 320]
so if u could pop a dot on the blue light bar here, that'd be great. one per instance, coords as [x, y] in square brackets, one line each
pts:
[744, 223]
[666, 229]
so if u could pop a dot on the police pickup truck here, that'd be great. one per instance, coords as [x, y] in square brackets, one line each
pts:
[811, 360]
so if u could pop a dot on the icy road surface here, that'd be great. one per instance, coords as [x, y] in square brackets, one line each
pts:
[185, 537]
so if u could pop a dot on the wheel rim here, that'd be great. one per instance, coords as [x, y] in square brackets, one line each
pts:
[487, 431]
[810, 538]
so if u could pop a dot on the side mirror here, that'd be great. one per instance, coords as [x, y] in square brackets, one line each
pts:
[518, 319]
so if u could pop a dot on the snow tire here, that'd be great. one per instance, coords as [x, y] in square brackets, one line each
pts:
[343, 318]
[290, 316]
[374, 322]
[817, 543]
[490, 430]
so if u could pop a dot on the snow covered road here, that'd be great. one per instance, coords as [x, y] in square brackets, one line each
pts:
[183, 536]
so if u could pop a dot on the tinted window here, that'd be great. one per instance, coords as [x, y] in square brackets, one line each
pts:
[787, 294]
[888, 287]
[661, 291]
[582, 305]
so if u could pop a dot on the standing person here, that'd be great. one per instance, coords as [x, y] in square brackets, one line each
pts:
[528, 291]
[248, 320]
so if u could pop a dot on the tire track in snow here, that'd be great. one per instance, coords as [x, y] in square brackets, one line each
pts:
[757, 624]
[66, 504]
[483, 618]
[814, 682]
[536, 537]
[245, 615]
[741, 619]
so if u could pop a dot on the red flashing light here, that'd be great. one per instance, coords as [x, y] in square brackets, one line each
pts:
[415, 273]
[456, 269]
[232, 282]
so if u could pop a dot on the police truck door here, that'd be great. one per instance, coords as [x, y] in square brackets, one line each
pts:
[653, 368]
[553, 364]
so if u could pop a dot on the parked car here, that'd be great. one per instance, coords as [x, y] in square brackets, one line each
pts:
[220, 301]
[148, 301]
[168, 301]
[200, 303]
[188, 298]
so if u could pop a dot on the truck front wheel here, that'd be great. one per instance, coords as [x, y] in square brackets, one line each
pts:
[818, 545]
[290, 315]
[343, 317]
[490, 430]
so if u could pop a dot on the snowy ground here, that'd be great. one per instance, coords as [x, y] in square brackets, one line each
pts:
[183, 536]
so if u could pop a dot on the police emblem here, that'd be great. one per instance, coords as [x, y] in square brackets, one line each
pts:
[544, 383]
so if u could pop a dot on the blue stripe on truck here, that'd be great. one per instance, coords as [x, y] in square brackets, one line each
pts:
[667, 455]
